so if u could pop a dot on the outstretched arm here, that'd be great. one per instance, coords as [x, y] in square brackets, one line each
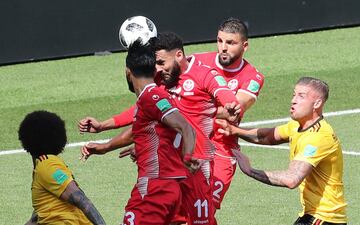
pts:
[75, 196]
[263, 136]
[290, 178]
[123, 139]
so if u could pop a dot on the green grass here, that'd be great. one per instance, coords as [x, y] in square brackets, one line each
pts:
[96, 86]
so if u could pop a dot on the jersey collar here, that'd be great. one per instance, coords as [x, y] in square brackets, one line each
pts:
[146, 87]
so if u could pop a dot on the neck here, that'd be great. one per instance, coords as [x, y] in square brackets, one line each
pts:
[306, 123]
[140, 83]
[235, 64]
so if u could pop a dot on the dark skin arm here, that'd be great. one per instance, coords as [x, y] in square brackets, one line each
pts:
[75, 196]
[176, 121]
[125, 138]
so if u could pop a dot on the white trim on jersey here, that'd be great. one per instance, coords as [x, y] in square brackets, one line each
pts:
[249, 93]
[149, 85]
[221, 89]
[168, 112]
[225, 69]
[191, 62]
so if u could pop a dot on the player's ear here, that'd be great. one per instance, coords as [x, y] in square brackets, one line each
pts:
[128, 73]
[318, 103]
[179, 54]
[245, 45]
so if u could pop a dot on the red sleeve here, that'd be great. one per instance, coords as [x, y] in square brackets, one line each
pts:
[125, 118]
[217, 86]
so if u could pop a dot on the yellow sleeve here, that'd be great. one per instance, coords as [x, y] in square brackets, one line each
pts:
[284, 130]
[315, 148]
[54, 175]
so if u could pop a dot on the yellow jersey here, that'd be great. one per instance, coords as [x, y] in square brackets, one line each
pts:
[50, 179]
[322, 191]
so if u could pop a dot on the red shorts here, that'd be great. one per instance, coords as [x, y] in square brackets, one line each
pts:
[197, 197]
[153, 202]
[224, 170]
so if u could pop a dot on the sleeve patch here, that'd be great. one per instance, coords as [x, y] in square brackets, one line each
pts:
[59, 176]
[221, 81]
[163, 105]
[310, 150]
[253, 86]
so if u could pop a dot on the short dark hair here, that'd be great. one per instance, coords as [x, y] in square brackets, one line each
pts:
[235, 26]
[42, 133]
[168, 41]
[141, 60]
[320, 86]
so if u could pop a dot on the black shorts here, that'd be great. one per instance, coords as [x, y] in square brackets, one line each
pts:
[310, 220]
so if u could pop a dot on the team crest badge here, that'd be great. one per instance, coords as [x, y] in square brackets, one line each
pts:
[233, 84]
[155, 97]
[214, 72]
[188, 85]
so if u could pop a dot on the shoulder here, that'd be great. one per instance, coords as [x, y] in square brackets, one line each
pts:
[252, 72]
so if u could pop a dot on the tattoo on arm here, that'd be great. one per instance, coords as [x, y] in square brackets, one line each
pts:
[79, 199]
[290, 178]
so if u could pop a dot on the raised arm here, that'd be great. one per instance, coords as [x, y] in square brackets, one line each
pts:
[75, 196]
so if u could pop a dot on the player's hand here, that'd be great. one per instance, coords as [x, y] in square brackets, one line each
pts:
[232, 111]
[90, 125]
[91, 149]
[243, 161]
[226, 128]
[192, 164]
[128, 151]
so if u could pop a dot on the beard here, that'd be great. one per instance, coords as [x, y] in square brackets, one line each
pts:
[173, 76]
[227, 61]
[130, 85]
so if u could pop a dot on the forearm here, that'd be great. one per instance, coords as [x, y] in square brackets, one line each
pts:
[189, 137]
[123, 139]
[107, 124]
[262, 136]
[79, 199]
[273, 178]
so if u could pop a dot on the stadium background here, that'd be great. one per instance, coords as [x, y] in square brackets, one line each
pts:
[95, 85]
[33, 30]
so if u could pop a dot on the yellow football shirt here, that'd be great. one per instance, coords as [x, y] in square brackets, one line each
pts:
[322, 191]
[50, 178]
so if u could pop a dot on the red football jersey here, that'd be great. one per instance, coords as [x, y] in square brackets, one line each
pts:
[156, 145]
[196, 95]
[245, 78]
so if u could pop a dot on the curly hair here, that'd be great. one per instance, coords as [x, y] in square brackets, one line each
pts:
[42, 133]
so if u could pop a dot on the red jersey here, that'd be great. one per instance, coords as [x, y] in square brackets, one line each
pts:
[245, 78]
[197, 94]
[157, 152]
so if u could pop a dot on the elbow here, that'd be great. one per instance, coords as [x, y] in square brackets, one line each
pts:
[292, 183]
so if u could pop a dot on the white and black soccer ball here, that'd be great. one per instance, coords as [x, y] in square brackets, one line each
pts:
[134, 28]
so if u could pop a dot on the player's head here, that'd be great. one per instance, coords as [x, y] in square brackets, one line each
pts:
[42, 133]
[169, 51]
[232, 41]
[140, 63]
[310, 95]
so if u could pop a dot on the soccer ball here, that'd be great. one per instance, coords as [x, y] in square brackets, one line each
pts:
[134, 28]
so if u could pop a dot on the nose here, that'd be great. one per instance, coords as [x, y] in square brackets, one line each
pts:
[158, 68]
[224, 46]
[293, 100]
